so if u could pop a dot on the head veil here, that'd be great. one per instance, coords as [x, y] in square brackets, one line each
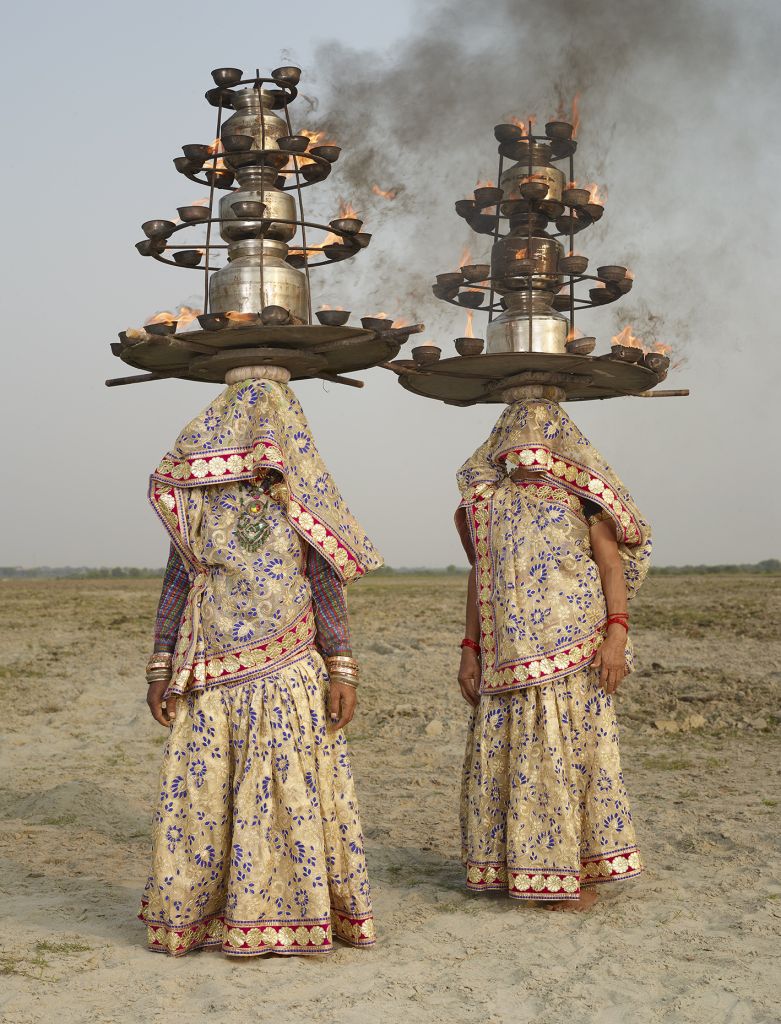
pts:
[250, 428]
[539, 436]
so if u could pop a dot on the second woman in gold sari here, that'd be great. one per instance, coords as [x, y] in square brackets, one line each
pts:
[557, 547]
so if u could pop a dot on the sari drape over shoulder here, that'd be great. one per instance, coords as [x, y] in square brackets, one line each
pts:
[203, 493]
[542, 610]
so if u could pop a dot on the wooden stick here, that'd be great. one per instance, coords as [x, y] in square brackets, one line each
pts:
[680, 393]
[334, 378]
[139, 378]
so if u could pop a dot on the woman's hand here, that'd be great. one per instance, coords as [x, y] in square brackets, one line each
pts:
[469, 674]
[610, 659]
[342, 701]
[154, 698]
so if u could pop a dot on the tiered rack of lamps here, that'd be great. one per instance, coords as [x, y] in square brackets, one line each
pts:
[532, 288]
[258, 251]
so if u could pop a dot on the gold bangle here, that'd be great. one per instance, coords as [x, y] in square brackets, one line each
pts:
[342, 681]
[160, 660]
[156, 675]
[338, 659]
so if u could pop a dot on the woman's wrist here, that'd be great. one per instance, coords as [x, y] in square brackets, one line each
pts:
[342, 668]
[617, 632]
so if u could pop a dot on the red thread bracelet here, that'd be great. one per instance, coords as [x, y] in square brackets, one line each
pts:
[621, 620]
[466, 642]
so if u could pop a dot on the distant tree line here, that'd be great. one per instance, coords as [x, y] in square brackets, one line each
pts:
[769, 566]
[80, 572]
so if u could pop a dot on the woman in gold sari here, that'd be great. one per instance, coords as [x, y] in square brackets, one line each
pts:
[257, 844]
[557, 548]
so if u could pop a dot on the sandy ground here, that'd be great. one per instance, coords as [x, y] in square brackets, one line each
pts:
[696, 939]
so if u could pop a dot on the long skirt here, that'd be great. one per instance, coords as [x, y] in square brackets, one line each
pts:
[544, 808]
[257, 843]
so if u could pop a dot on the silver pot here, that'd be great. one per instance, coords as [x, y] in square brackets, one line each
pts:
[240, 287]
[257, 184]
[541, 170]
[544, 251]
[509, 332]
[254, 117]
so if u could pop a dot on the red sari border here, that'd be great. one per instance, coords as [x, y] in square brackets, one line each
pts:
[533, 884]
[573, 477]
[245, 664]
[174, 475]
[258, 937]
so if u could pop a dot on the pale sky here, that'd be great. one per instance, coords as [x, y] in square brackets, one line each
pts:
[683, 130]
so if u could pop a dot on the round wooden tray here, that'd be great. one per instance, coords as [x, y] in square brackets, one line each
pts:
[305, 350]
[468, 380]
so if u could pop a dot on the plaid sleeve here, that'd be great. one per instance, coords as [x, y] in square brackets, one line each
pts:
[176, 585]
[329, 606]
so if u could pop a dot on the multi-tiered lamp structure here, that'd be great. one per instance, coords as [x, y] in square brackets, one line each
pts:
[251, 241]
[533, 288]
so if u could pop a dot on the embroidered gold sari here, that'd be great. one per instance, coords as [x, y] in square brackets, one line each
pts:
[257, 843]
[544, 808]
[542, 611]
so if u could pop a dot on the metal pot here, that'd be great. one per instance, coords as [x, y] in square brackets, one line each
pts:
[509, 332]
[257, 183]
[541, 170]
[254, 117]
[544, 252]
[241, 286]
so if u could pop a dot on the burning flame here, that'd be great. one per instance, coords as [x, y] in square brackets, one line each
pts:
[390, 193]
[466, 257]
[325, 306]
[469, 329]
[218, 164]
[184, 316]
[163, 317]
[625, 337]
[520, 254]
[346, 209]
[241, 318]
[485, 184]
[404, 322]
[574, 117]
[594, 194]
[573, 333]
[630, 275]
[203, 201]
[380, 316]
[525, 127]
[315, 139]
